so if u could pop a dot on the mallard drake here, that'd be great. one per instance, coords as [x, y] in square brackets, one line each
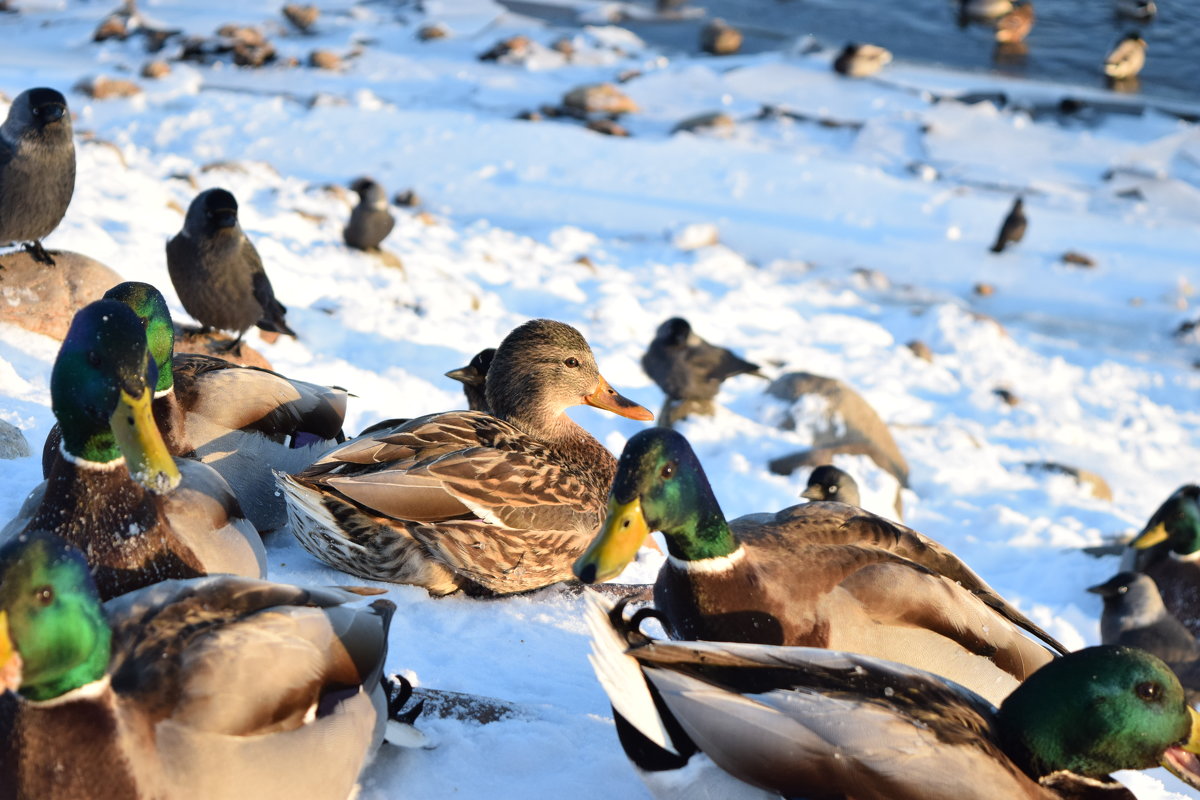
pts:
[861, 60]
[737, 721]
[819, 574]
[1016, 24]
[219, 687]
[468, 500]
[473, 377]
[1168, 550]
[828, 483]
[689, 370]
[1127, 58]
[116, 493]
[242, 421]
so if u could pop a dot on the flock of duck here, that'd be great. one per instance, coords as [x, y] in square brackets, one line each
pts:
[817, 651]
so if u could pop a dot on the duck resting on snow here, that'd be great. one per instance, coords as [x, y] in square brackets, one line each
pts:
[819, 574]
[490, 503]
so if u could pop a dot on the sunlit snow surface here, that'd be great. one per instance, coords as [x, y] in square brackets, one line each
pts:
[915, 195]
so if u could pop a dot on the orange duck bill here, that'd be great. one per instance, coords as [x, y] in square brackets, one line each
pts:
[607, 398]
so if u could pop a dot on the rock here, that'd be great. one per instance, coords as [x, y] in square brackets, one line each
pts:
[12, 442]
[156, 70]
[531, 116]
[113, 27]
[249, 46]
[839, 418]
[606, 126]
[407, 199]
[598, 98]
[712, 122]
[105, 88]
[1096, 486]
[921, 350]
[564, 45]
[44, 299]
[984, 289]
[325, 59]
[720, 38]
[251, 37]
[629, 74]
[303, 17]
[511, 49]
[190, 339]
[433, 31]
[1078, 259]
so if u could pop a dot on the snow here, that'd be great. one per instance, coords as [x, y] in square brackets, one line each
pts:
[525, 219]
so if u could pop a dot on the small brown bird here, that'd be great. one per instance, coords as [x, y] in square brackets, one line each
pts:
[1127, 58]
[218, 274]
[1015, 25]
[1013, 229]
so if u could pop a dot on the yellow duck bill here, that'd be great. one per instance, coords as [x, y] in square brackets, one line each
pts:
[1150, 537]
[146, 455]
[1181, 760]
[616, 545]
[10, 659]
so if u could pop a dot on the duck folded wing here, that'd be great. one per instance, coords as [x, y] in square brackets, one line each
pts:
[801, 742]
[860, 529]
[232, 397]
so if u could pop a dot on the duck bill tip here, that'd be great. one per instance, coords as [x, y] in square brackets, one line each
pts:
[616, 544]
[609, 399]
[146, 455]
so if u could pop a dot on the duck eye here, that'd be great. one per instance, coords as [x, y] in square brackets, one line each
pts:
[44, 595]
[572, 362]
[1149, 691]
[668, 469]
[833, 489]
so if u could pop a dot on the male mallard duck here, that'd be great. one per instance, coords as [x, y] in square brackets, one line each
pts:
[1168, 550]
[738, 721]
[116, 493]
[241, 421]
[861, 60]
[689, 370]
[819, 574]
[473, 377]
[218, 687]
[464, 499]
[1127, 58]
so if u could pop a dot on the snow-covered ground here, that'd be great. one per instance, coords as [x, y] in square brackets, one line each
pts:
[837, 246]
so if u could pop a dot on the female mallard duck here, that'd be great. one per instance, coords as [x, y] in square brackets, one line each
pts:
[116, 493]
[1127, 58]
[218, 687]
[468, 500]
[819, 574]
[242, 421]
[738, 721]
[1168, 550]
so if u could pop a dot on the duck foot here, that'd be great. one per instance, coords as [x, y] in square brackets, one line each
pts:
[39, 253]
